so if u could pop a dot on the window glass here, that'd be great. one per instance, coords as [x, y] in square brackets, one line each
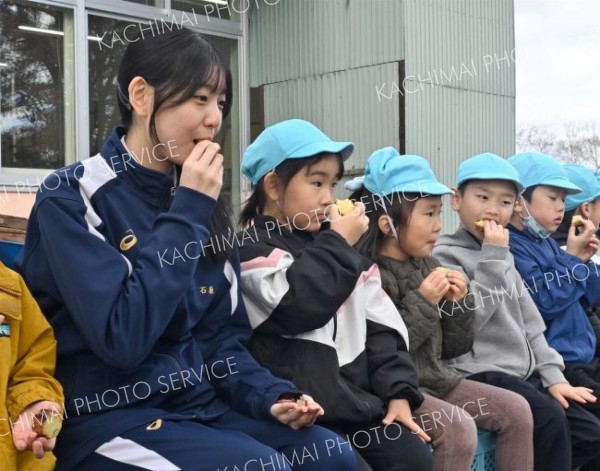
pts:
[36, 87]
[223, 9]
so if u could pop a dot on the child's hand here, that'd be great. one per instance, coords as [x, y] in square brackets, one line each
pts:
[25, 438]
[581, 245]
[203, 169]
[494, 233]
[592, 247]
[563, 391]
[399, 411]
[458, 286]
[351, 226]
[435, 286]
[297, 414]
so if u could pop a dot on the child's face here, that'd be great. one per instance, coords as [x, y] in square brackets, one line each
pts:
[593, 210]
[308, 194]
[181, 126]
[421, 233]
[547, 207]
[493, 200]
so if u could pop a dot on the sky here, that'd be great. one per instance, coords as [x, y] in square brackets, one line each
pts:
[557, 61]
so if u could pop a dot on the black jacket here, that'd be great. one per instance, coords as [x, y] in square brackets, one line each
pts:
[321, 319]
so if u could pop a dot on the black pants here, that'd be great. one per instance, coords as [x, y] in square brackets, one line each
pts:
[391, 448]
[587, 375]
[562, 438]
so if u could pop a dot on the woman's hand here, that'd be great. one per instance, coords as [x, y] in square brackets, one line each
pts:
[203, 169]
[25, 438]
[297, 414]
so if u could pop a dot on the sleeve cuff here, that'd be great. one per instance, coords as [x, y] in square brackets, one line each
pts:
[494, 252]
[271, 397]
[188, 202]
[552, 376]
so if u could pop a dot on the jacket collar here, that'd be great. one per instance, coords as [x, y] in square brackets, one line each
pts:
[270, 223]
[150, 185]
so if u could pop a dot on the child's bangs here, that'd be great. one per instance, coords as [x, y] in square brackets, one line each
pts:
[310, 162]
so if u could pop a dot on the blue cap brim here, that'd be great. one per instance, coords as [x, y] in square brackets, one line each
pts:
[425, 188]
[495, 176]
[345, 149]
[563, 184]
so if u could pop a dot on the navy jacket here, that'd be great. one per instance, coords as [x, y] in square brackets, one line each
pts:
[147, 325]
[562, 286]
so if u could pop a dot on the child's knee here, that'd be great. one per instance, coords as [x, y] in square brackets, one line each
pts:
[517, 414]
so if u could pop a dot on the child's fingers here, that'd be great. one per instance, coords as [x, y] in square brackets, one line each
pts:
[37, 447]
[561, 400]
[413, 427]
[359, 209]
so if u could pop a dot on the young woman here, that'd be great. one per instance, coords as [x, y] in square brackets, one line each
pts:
[150, 325]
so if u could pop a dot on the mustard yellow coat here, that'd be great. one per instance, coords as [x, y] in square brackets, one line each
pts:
[27, 361]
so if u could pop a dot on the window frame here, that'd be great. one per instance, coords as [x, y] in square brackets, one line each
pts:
[122, 10]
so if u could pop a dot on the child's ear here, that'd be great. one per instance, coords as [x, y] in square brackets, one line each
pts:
[585, 209]
[383, 223]
[141, 96]
[272, 186]
[455, 200]
[518, 205]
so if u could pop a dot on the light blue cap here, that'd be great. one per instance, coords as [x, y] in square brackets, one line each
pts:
[597, 175]
[584, 178]
[291, 139]
[488, 166]
[536, 168]
[387, 172]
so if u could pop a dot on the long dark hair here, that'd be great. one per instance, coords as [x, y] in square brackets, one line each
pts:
[285, 171]
[176, 63]
[399, 206]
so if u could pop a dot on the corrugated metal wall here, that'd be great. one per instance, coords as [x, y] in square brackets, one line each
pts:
[332, 102]
[336, 63]
[460, 82]
[303, 38]
[321, 60]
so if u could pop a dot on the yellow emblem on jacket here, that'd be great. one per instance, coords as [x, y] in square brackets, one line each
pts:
[128, 241]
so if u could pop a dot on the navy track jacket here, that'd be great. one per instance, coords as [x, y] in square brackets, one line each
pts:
[562, 286]
[147, 325]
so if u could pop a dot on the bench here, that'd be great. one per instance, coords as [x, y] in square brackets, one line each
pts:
[485, 455]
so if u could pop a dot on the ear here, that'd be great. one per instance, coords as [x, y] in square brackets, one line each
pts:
[519, 208]
[272, 187]
[455, 200]
[141, 96]
[383, 223]
[585, 209]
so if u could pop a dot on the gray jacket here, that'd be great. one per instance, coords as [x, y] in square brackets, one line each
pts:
[509, 330]
[432, 336]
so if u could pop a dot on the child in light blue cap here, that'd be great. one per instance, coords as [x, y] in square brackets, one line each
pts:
[585, 204]
[316, 305]
[510, 350]
[564, 283]
[403, 200]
